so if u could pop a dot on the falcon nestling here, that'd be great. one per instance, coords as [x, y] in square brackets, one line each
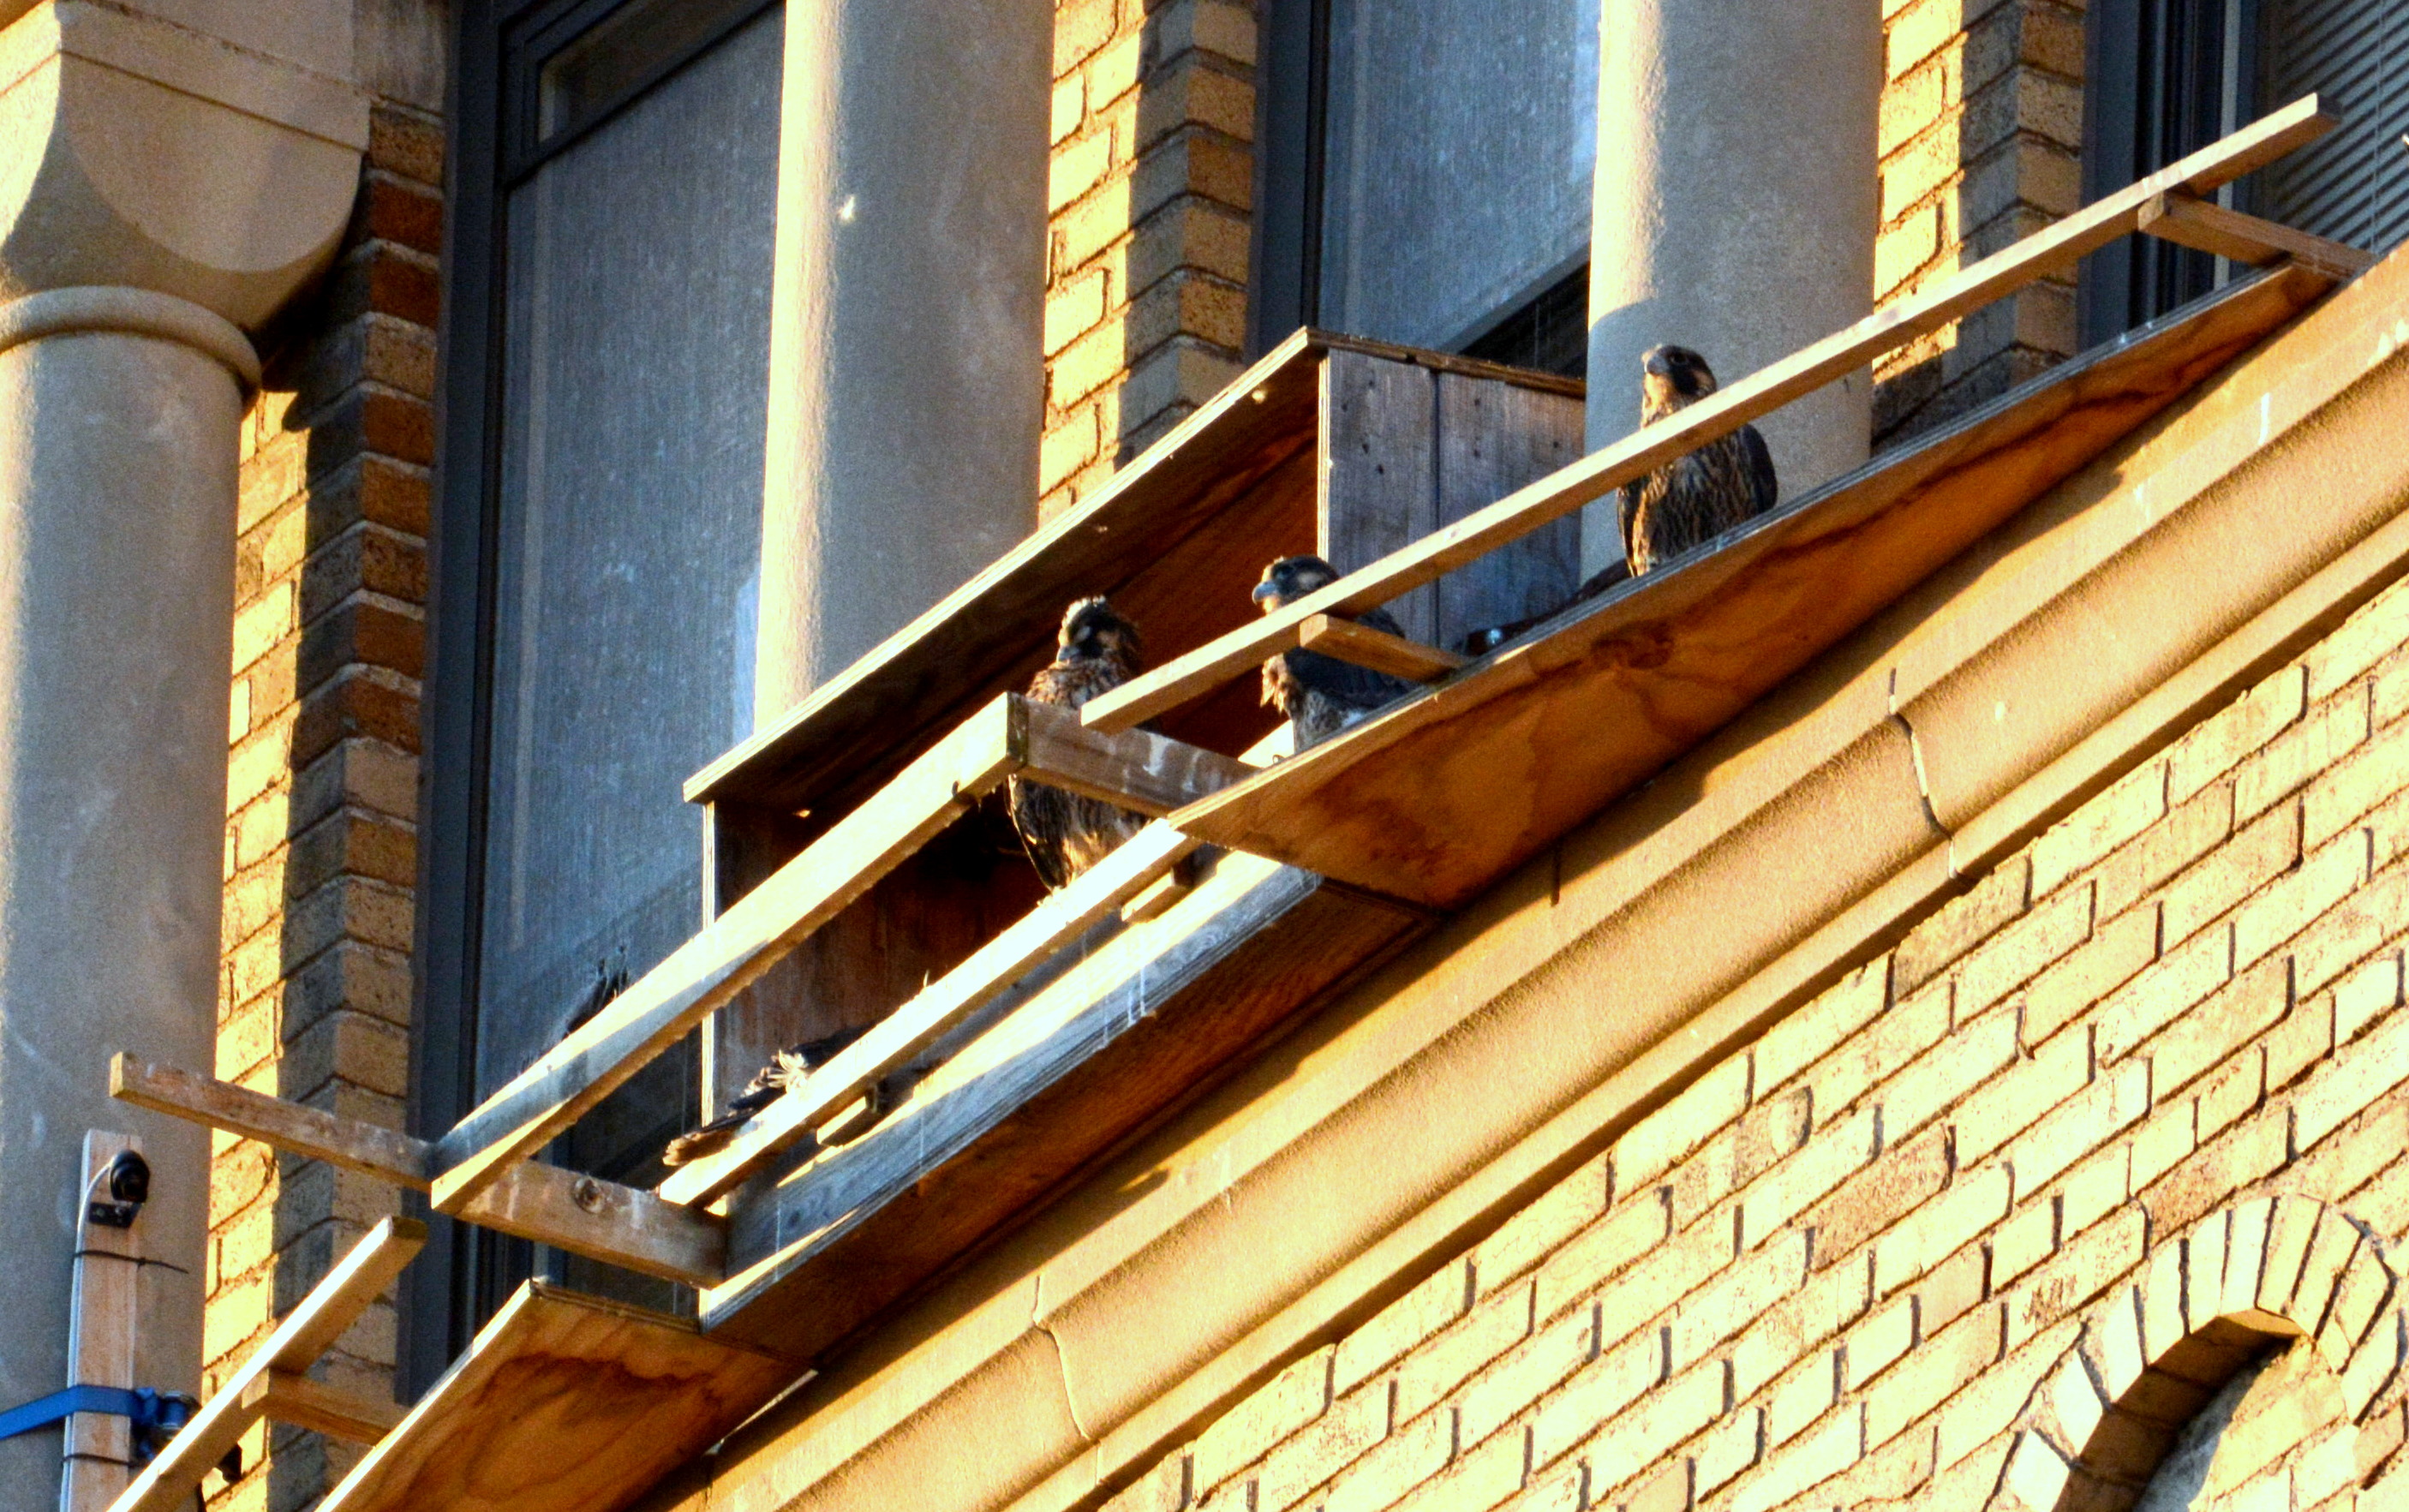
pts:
[1322, 695]
[788, 1068]
[1064, 833]
[1699, 497]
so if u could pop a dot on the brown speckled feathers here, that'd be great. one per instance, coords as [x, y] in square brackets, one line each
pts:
[1064, 832]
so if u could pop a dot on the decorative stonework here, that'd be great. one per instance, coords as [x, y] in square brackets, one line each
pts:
[2155, 1350]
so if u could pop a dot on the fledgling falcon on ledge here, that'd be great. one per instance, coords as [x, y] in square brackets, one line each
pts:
[1064, 832]
[1699, 497]
[1322, 695]
[788, 1068]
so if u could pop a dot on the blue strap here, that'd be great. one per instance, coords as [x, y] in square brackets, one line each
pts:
[149, 1410]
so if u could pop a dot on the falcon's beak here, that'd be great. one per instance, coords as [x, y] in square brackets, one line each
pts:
[1657, 365]
[1266, 591]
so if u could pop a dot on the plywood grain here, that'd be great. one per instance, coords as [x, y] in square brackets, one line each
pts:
[1435, 798]
[564, 1404]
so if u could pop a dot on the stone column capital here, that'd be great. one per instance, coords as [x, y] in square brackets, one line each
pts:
[131, 313]
[136, 152]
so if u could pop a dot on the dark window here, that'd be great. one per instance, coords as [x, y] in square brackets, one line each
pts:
[1426, 172]
[613, 203]
[2170, 75]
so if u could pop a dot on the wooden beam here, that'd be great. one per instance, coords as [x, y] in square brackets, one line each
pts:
[1361, 645]
[2188, 220]
[287, 1396]
[101, 1332]
[1138, 769]
[624, 1226]
[2053, 249]
[165, 1485]
[727, 955]
[904, 1033]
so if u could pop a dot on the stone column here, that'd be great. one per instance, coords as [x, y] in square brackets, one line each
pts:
[1736, 206]
[118, 410]
[164, 189]
[906, 372]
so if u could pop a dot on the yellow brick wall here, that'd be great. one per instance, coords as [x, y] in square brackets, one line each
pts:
[1150, 187]
[1980, 142]
[314, 994]
[1832, 1270]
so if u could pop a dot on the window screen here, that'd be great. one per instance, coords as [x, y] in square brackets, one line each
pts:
[1456, 160]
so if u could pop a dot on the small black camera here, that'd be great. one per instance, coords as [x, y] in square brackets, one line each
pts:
[127, 1184]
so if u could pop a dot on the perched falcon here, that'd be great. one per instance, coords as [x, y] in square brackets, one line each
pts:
[1064, 833]
[1699, 497]
[788, 1068]
[1322, 695]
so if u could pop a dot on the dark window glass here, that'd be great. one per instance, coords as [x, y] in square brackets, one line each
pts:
[606, 409]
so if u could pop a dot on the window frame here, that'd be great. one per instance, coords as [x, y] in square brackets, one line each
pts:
[498, 49]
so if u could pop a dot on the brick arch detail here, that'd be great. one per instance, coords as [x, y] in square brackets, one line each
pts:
[2274, 1268]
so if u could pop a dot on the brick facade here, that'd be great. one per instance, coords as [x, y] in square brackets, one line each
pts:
[1981, 141]
[1833, 1269]
[321, 848]
[1150, 184]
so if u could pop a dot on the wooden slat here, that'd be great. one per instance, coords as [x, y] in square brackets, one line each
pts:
[624, 1226]
[1363, 646]
[1137, 770]
[101, 1329]
[662, 1006]
[563, 1403]
[2188, 220]
[345, 1143]
[904, 1033]
[1435, 798]
[165, 1485]
[304, 1402]
[2053, 249]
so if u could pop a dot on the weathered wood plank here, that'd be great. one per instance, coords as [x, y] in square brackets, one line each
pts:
[995, 967]
[600, 1219]
[1378, 484]
[1495, 438]
[2053, 249]
[347, 1144]
[2188, 220]
[304, 1402]
[101, 1327]
[1434, 799]
[662, 1006]
[1137, 770]
[306, 1331]
[563, 1403]
[1099, 1045]
[1363, 646]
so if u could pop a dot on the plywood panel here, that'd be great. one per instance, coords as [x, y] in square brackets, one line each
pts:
[564, 1404]
[1124, 1026]
[1380, 469]
[1493, 437]
[1447, 791]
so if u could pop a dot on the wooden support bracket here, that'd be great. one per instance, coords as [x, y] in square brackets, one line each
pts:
[288, 1397]
[624, 1226]
[165, 1485]
[1361, 645]
[2054, 250]
[2188, 220]
[100, 1337]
